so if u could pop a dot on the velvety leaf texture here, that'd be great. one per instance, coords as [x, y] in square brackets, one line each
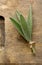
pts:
[29, 22]
[23, 26]
[17, 25]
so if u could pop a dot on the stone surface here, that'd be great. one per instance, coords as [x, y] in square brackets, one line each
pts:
[17, 51]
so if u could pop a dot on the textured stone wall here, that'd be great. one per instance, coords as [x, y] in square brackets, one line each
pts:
[16, 51]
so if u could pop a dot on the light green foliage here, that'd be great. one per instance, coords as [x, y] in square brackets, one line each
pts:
[23, 26]
[29, 22]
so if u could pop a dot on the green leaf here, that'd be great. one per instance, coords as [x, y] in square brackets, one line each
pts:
[29, 22]
[17, 25]
[24, 27]
[18, 15]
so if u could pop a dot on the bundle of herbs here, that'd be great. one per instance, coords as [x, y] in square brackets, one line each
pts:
[24, 27]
